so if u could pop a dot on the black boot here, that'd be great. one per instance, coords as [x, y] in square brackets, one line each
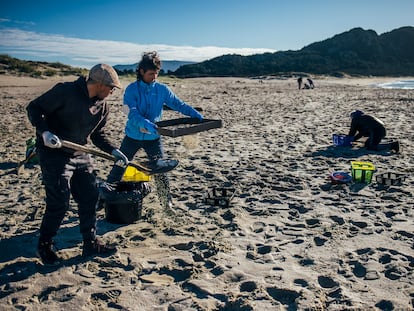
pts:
[47, 254]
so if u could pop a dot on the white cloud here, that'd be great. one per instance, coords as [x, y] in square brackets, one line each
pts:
[85, 53]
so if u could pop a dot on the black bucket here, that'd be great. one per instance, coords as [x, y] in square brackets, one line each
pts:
[123, 204]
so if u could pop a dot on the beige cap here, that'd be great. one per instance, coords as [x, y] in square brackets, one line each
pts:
[105, 74]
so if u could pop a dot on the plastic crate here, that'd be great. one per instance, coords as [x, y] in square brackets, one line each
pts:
[220, 196]
[390, 179]
[341, 140]
[362, 172]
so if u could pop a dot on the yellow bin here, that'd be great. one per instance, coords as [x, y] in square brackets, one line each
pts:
[132, 174]
[362, 171]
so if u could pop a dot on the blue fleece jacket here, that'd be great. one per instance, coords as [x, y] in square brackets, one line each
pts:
[145, 102]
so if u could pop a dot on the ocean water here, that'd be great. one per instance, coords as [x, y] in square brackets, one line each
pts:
[402, 84]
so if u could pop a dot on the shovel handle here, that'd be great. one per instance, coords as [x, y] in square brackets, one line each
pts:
[77, 147]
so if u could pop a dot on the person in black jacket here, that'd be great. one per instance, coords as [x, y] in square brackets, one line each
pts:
[73, 111]
[363, 125]
[299, 83]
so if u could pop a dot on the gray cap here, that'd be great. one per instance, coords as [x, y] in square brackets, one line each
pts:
[105, 74]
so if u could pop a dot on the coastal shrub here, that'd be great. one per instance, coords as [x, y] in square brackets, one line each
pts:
[26, 68]
[49, 73]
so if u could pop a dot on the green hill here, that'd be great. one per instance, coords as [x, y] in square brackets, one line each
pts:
[10, 65]
[355, 52]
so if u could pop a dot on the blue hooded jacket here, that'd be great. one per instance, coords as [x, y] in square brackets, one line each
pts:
[145, 102]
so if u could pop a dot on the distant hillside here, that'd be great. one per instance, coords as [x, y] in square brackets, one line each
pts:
[355, 52]
[10, 65]
[166, 65]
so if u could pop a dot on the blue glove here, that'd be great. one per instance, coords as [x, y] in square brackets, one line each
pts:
[120, 158]
[196, 114]
[149, 127]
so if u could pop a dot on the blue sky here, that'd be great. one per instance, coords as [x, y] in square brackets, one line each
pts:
[83, 33]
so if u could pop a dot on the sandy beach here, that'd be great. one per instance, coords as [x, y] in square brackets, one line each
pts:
[289, 240]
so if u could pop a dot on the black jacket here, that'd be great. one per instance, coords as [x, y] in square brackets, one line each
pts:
[366, 125]
[67, 111]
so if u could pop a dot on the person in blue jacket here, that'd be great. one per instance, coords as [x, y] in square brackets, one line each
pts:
[145, 99]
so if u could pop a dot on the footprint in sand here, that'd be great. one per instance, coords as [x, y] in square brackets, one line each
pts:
[319, 241]
[305, 261]
[301, 282]
[183, 246]
[334, 290]
[228, 215]
[338, 220]
[264, 249]
[157, 279]
[259, 252]
[327, 282]
[106, 297]
[394, 272]
[258, 227]
[178, 274]
[202, 250]
[358, 269]
[248, 286]
[60, 293]
[217, 270]
[284, 296]
[385, 305]
[359, 224]
[313, 222]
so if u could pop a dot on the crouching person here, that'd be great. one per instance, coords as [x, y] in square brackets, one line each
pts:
[73, 111]
[363, 125]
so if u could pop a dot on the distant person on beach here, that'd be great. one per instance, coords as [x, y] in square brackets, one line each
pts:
[310, 83]
[145, 99]
[300, 83]
[363, 125]
[72, 111]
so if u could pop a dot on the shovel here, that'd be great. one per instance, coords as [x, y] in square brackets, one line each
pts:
[163, 167]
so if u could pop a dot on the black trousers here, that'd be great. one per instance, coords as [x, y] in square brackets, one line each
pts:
[65, 174]
[375, 137]
[154, 150]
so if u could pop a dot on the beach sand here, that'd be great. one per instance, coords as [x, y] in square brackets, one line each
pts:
[289, 240]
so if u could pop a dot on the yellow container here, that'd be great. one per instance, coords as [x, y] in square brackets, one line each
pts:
[132, 174]
[362, 171]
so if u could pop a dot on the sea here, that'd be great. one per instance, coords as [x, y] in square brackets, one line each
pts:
[401, 84]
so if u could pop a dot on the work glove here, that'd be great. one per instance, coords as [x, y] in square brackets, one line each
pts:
[51, 140]
[196, 114]
[149, 127]
[120, 158]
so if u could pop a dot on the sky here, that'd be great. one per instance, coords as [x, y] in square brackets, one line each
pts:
[84, 33]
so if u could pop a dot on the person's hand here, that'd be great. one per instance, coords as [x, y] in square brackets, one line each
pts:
[149, 127]
[120, 157]
[51, 140]
[197, 115]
